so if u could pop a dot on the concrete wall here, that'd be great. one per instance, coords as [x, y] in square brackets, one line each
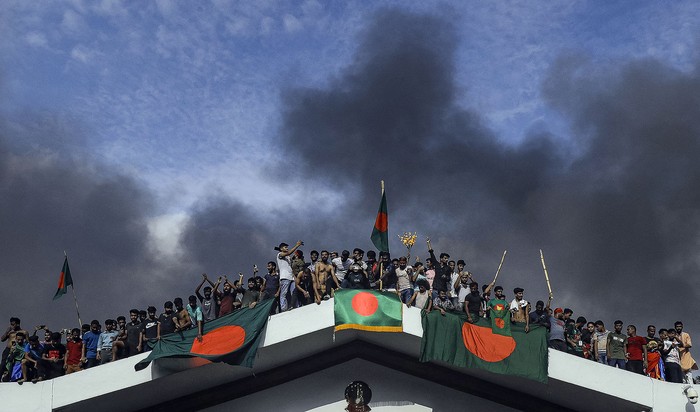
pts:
[328, 387]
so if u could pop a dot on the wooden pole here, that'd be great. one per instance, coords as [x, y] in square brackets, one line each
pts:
[381, 274]
[499, 267]
[546, 275]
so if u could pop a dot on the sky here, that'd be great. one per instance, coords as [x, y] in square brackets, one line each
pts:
[155, 141]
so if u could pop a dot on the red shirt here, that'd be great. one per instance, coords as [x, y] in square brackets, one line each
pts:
[75, 350]
[634, 347]
[226, 305]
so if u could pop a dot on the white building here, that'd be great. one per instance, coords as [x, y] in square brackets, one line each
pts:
[303, 366]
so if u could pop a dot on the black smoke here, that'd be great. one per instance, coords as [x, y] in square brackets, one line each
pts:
[614, 205]
[54, 197]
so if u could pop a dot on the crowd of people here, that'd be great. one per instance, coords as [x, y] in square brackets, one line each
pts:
[441, 284]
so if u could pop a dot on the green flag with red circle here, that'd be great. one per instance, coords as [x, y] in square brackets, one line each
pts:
[369, 310]
[500, 316]
[452, 339]
[380, 231]
[64, 280]
[233, 338]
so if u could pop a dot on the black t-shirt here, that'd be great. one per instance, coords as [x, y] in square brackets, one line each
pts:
[166, 323]
[586, 335]
[390, 277]
[149, 327]
[657, 340]
[132, 333]
[54, 351]
[356, 280]
[443, 276]
[540, 318]
[473, 302]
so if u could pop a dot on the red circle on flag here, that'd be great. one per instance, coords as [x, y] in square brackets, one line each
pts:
[382, 222]
[219, 341]
[365, 304]
[485, 344]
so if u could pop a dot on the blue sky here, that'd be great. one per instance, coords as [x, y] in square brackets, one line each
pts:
[186, 95]
[187, 105]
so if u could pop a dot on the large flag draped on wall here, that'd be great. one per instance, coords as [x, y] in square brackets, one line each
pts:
[452, 339]
[380, 232]
[233, 339]
[64, 280]
[369, 310]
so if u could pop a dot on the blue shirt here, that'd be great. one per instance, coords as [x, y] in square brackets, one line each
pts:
[90, 339]
[107, 339]
[34, 353]
[195, 315]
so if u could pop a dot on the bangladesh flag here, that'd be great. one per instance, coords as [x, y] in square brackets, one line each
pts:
[452, 339]
[233, 339]
[64, 280]
[500, 316]
[380, 232]
[368, 310]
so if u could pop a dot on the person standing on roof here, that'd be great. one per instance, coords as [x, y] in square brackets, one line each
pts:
[284, 266]
[687, 362]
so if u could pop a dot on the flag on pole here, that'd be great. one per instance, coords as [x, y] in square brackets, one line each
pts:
[64, 280]
[232, 339]
[380, 232]
[369, 310]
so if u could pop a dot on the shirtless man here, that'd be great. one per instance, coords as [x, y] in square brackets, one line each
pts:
[324, 278]
[304, 286]
[520, 309]
[181, 318]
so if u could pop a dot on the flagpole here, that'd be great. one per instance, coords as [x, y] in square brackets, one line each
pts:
[499, 267]
[75, 298]
[546, 275]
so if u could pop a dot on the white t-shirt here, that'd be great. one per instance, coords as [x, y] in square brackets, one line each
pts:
[341, 268]
[285, 267]
[404, 278]
[517, 304]
[463, 292]
[602, 339]
[673, 355]
[451, 286]
[422, 299]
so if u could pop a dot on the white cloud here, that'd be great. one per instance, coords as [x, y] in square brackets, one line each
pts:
[266, 25]
[291, 23]
[311, 8]
[82, 54]
[78, 5]
[36, 39]
[165, 233]
[167, 8]
[238, 25]
[114, 8]
[72, 22]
